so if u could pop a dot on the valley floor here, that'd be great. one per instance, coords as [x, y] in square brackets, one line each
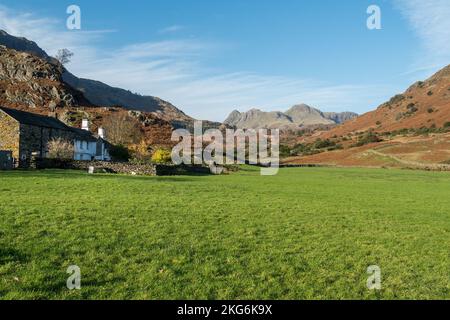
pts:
[415, 152]
[307, 233]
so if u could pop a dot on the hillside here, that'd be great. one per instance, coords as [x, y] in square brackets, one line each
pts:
[296, 117]
[99, 93]
[29, 82]
[33, 84]
[424, 104]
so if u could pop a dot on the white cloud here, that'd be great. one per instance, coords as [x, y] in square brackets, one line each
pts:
[173, 70]
[171, 29]
[430, 20]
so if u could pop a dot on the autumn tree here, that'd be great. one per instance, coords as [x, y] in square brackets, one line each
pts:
[59, 148]
[122, 129]
[141, 151]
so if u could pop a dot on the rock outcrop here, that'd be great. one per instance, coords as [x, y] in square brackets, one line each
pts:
[27, 80]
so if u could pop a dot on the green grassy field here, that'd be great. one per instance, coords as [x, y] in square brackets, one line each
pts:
[303, 234]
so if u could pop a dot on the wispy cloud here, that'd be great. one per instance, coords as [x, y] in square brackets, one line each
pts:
[171, 29]
[430, 21]
[174, 70]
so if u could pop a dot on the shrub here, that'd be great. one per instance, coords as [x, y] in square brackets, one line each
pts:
[396, 99]
[321, 144]
[412, 108]
[119, 153]
[447, 125]
[336, 147]
[60, 149]
[140, 151]
[285, 151]
[162, 156]
[430, 110]
[369, 137]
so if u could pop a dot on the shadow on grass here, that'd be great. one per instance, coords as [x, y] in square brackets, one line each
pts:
[51, 285]
[76, 174]
[12, 255]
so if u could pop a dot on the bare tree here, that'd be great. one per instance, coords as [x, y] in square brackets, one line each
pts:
[64, 56]
[122, 129]
[60, 149]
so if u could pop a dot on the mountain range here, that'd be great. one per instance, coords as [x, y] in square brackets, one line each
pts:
[296, 117]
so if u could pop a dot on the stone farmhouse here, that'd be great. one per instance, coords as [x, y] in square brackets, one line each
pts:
[27, 135]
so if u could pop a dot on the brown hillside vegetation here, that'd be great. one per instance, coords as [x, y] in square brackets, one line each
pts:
[424, 104]
[418, 152]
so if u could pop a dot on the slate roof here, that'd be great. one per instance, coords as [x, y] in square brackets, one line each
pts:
[47, 122]
[83, 135]
[35, 119]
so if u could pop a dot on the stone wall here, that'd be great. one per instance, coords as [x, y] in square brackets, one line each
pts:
[122, 167]
[35, 140]
[99, 166]
[9, 134]
[181, 170]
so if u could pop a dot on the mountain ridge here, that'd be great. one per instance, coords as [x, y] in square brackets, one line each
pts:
[298, 116]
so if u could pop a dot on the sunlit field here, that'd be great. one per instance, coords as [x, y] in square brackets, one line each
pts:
[303, 234]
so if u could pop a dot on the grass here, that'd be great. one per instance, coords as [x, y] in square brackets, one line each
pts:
[304, 234]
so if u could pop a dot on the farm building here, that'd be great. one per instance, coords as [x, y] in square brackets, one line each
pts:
[26, 134]
[88, 146]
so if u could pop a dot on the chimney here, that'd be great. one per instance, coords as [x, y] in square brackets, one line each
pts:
[85, 124]
[101, 133]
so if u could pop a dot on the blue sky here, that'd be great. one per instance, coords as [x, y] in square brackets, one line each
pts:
[209, 57]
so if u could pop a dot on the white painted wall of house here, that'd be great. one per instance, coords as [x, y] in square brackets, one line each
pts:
[85, 150]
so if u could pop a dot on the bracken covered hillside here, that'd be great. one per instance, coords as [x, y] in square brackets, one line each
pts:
[424, 104]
